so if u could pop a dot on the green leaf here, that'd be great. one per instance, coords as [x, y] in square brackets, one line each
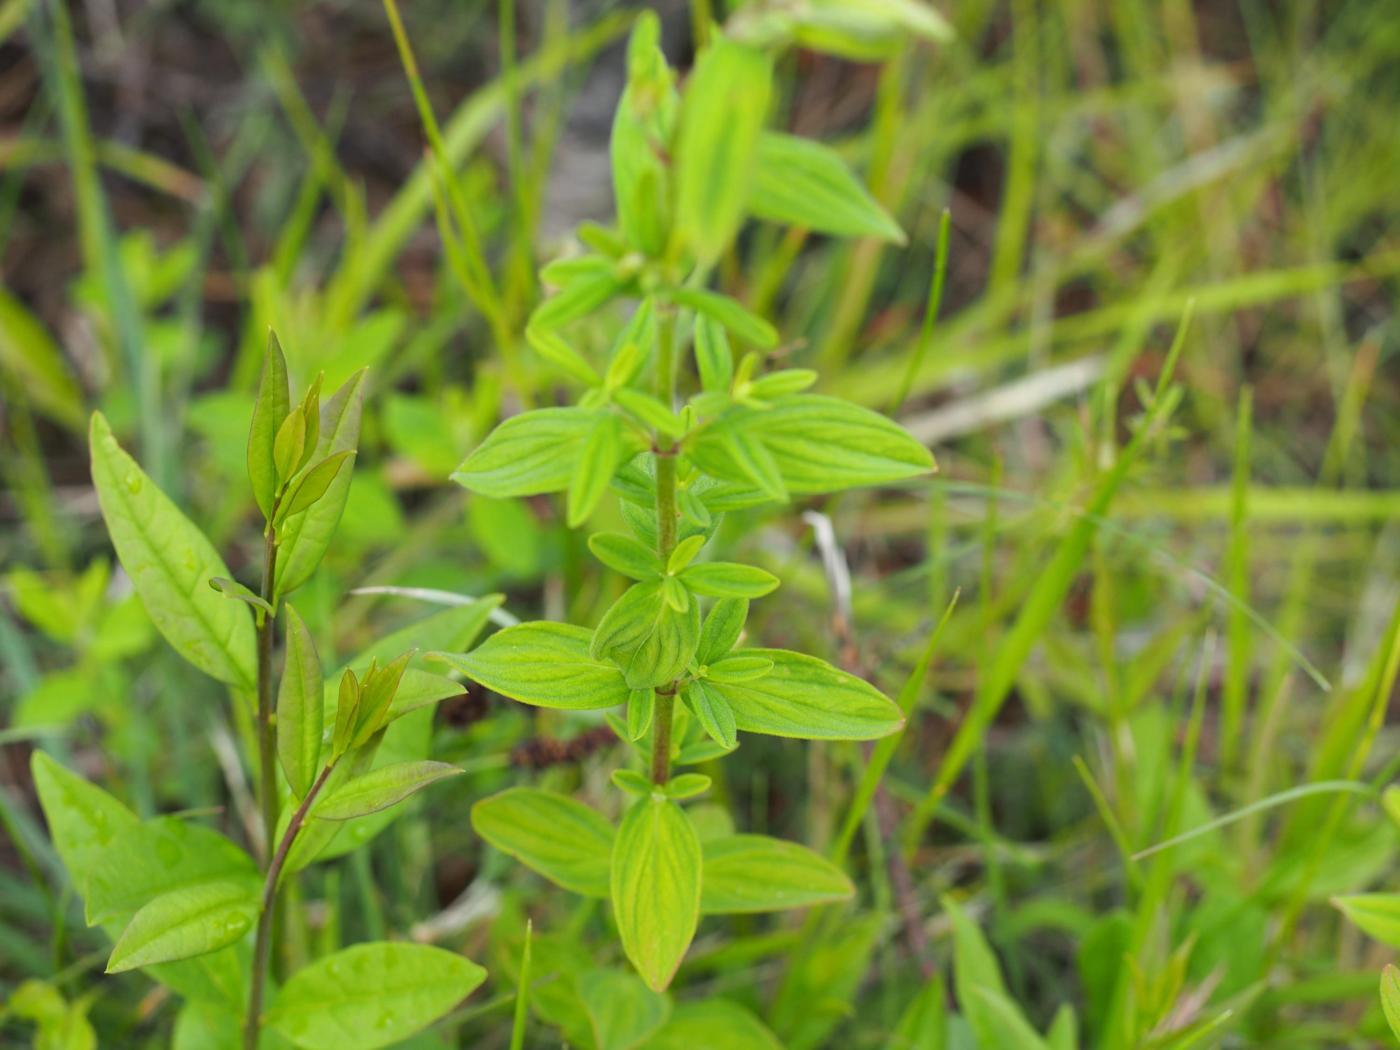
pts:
[641, 134]
[741, 667]
[237, 592]
[714, 359]
[741, 324]
[804, 183]
[622, 1011]
[552, 347]
[202, 1026]
[545, 664]
[714, 713]
[528, 454]
[288, 446]
[755, 873]
[781, 383]
[1378, 914]
[169, 562]
[377, 690]
[633, 782]
[1390, 998]
[866, 30]
[1063, 1033]
[625, 555]
[35, 364]
[655, 887]
[421, 689]
[686, 785]
[745, 326]
[641, 709]
[924, 1023]
[190, 921]
[83, 819]
[564, 840]
[684, 553]
[381, 788]
[982, 994]
[603, 451]
[816, 444]
[676, 596]
[644, 635]
[580, 297]
[808, 698]
[715, 1024]
[300, 707]
[303, 538]
[347, 713]
[723, 579]
[156, 857]
[742, 457]
[722, 115]
[316, 482]
[269, 410]
[650, 411]
[371, 995]
[723, 626]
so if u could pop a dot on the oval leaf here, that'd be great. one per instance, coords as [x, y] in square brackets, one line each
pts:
[170, 563]
[186, 922]
[808, 698]
[755, 873]
[381, 788]
[565, 841]
[528, 454]
[269, 410]
[545, 664]
[815, 443]
[655, 887]
[300, 708]
[725, 105]
[724, 579]
[371, 995]
[159, 856]
[1376, 913]
[804, 183]
[647, 636]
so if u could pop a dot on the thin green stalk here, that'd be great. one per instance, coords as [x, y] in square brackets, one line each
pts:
[935, 299]
[665, 531]
[262, 947]
[267, 739]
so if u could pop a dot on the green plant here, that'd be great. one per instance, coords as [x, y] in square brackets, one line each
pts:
[680, 448]
[179, 899]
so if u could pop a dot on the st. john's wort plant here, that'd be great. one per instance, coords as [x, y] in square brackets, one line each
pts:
[680, 447]
[189, 908]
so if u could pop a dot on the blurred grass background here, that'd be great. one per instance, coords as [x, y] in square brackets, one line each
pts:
[174, 178]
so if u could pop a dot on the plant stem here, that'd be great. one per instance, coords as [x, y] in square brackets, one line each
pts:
[661, 737]
[262, 947]
[267, 741]
[665, 530]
